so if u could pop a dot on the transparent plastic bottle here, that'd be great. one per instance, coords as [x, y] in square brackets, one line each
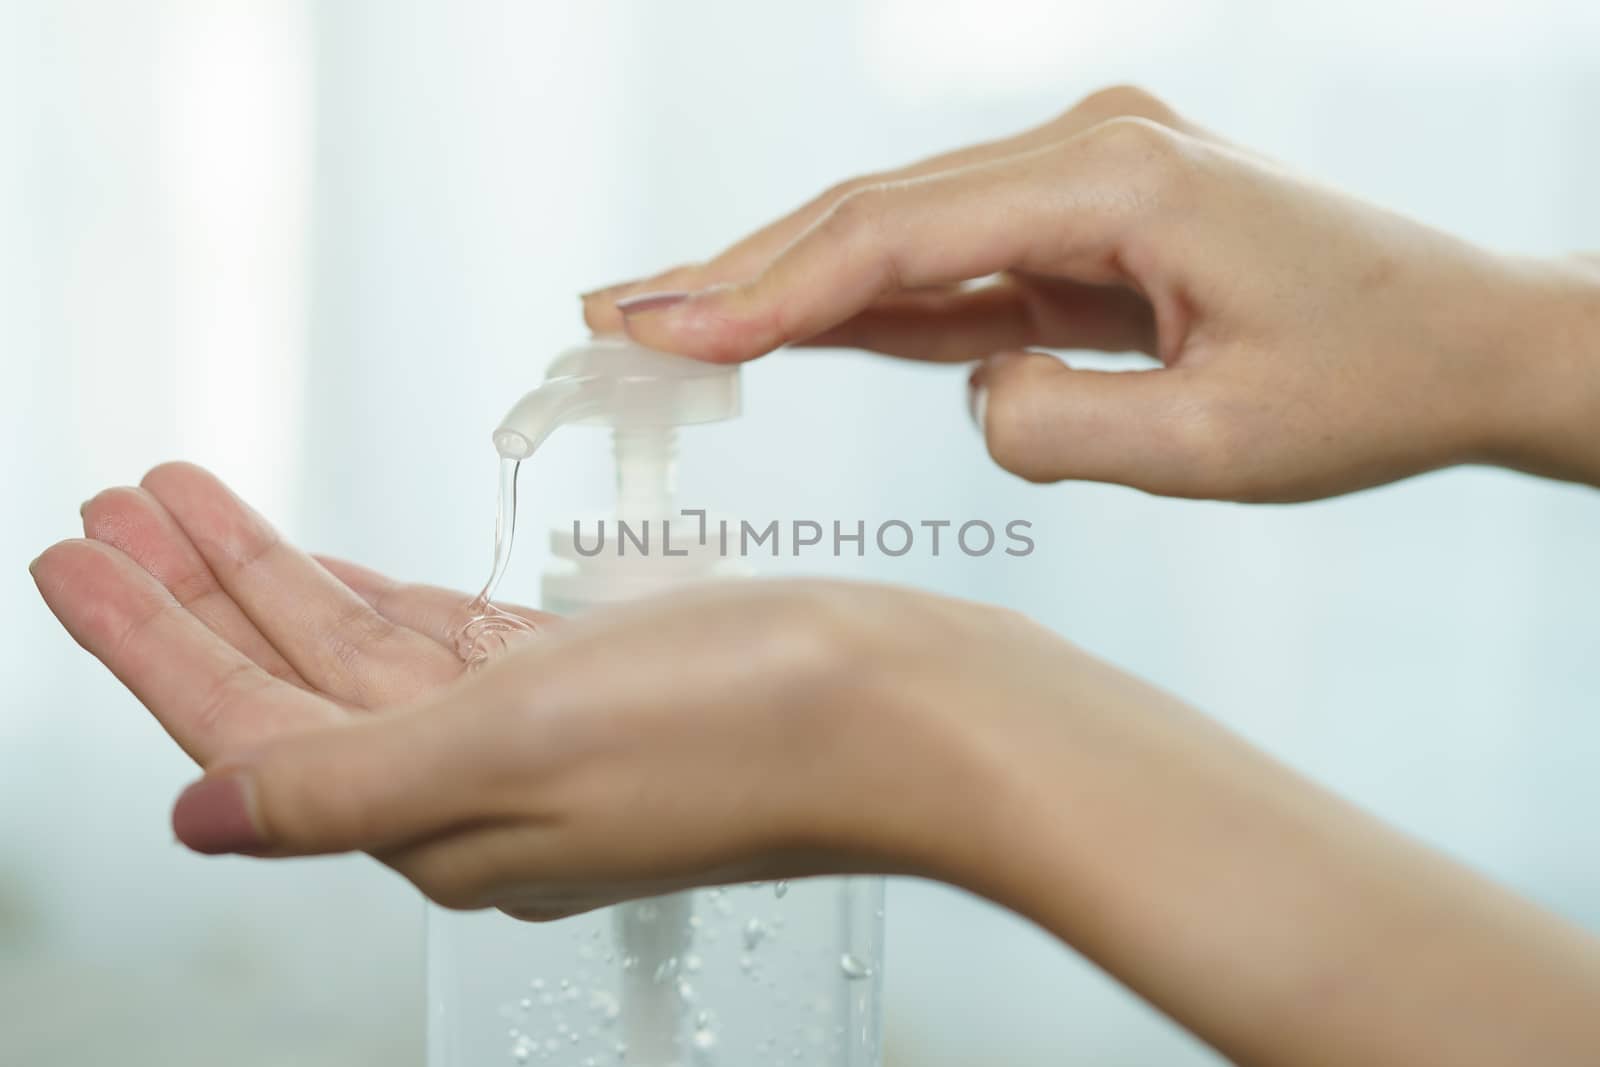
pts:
[776, 973]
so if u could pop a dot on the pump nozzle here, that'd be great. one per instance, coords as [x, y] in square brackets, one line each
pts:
[557, 402]
[622, 385]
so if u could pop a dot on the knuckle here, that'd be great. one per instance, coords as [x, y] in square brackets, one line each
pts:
[817, 637]
[858, 211]
[1132, 139]
[842, 190]
[1151, 163]
[1012, 434]
[831, 197]
[811, 646]
[1130, 100]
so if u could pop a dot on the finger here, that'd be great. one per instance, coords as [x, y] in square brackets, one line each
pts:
[1046, 422]
[1061, 211]
[337, 642]
[749, 256]
[207, 694]
[134, 522]
[373, 783]
[428, 609]
[955, 324]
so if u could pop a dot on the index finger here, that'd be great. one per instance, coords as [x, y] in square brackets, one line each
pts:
[1049, 211]
[212, 698]
[747, 257]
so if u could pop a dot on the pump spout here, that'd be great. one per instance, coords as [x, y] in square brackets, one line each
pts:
[615, 383]
[557, 402]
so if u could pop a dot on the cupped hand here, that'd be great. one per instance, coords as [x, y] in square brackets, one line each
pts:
[754, 730]
[1310, 344]
[726, 734]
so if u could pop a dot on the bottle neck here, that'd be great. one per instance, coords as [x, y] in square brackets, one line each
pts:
[647, 471]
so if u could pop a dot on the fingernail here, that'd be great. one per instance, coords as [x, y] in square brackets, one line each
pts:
[977, 398]
[213, 816]
[633, 305]
[604, 290]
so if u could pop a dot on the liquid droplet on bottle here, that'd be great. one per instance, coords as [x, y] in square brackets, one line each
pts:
[704, 1035]
[754, 933]
[780, 889]
[605, 1004]
[852, 968]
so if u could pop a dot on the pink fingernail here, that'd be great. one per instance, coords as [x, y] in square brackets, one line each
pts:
[603, 291]
[632, 305]
[213, 816]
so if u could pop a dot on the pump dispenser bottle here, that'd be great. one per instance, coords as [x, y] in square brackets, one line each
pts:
[737, 975]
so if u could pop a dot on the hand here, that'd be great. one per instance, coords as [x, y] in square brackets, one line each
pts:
[744, 740]
[764, 730]
[1311, 345]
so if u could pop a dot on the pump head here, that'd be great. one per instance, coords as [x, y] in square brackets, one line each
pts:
[643, 396]
[616, 383]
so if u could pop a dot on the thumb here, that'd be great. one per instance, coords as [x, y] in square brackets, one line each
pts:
[1047, 422]
[365, 785]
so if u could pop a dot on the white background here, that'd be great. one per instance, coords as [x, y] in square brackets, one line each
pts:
[321, 248]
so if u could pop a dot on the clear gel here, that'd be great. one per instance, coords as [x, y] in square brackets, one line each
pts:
[488, 630]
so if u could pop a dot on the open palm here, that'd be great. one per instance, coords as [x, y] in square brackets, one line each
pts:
[227, 633]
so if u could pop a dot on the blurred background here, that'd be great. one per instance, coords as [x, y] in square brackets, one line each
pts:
[320, 248]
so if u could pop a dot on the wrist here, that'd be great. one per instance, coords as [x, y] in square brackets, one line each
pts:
[1547, 421]
[942, 710]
